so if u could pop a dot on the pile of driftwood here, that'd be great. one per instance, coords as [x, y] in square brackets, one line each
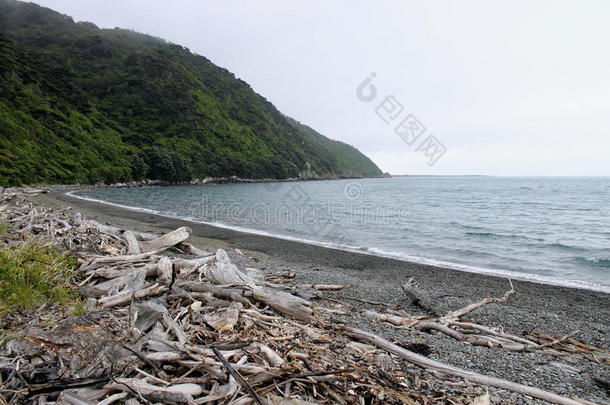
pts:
[167, 322]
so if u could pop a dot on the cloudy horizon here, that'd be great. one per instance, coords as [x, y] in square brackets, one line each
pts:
[509, 89]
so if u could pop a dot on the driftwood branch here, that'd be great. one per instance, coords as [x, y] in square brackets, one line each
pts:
[173, 327]
[455, 371]
[237, 376]
[463, 311]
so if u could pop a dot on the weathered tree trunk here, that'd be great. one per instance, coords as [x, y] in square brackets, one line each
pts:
[455, 371]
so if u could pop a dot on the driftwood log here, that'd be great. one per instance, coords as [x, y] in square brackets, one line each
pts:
[458, 372]
[196, 329]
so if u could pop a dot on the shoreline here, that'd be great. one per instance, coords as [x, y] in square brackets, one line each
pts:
[498, 273]
[298, 252]
[208, 181]
[554, 310]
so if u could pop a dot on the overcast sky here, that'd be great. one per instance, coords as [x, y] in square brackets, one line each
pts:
[509, 88]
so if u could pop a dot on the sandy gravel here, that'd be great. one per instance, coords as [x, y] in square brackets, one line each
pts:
[535, 307]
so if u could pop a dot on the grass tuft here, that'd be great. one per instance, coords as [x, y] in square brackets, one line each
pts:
[4, 228]
[31, 274]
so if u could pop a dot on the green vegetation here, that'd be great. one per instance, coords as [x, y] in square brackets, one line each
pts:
[337, 157]
[4, 228]
[31, 274]
[82, 104]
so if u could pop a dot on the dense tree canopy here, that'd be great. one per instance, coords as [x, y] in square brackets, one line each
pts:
[82, 104]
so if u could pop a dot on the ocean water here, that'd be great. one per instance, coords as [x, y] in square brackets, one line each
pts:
[551, 230]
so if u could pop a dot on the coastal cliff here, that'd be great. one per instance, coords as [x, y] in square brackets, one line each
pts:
[79, 104]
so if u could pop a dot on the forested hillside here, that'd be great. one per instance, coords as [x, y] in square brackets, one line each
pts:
[83, 104]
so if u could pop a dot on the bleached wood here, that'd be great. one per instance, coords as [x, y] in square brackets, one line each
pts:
[168, 240]
[133, 248]
[164, 271]
[435, 365]
[124, 298]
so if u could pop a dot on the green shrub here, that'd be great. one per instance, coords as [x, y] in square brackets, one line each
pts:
[31, 274]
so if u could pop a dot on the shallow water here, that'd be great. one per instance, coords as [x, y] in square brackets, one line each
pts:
[554, 230]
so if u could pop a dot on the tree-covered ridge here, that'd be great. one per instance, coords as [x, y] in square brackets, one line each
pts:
[83, 104]
[337, 156]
